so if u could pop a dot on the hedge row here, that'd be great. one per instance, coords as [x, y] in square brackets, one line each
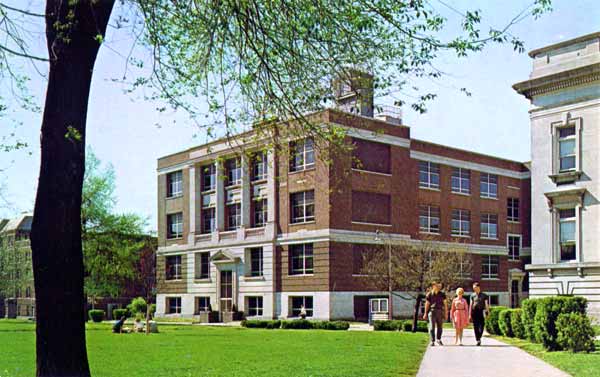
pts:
[398, 325]
[96, 315]
[302, 324]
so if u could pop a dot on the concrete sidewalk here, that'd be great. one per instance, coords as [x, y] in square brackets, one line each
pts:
[492, 359]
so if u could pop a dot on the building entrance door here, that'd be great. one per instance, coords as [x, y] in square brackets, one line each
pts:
[378, 309]
[226, 297]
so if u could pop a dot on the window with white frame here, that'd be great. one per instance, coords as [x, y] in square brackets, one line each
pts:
[461, 180]
[254, 306]
[429, 175]
[260, 212]
[256, 261]
[202, 261]
[202, 305]
[514, 247]
[234, 216]
[209, 222]
[233, 170]
[175, 225]
[303, 206]
[429, 219]
[259, 166]
[568, 234]
[461, 222]
[489, 266]
[488, 187]
[174, 305]
[301, 259]
[512, 209]
[302, 154]
[567, 148]
[174, 184]
[489, 226]
[173, 267]
[209, 177]
[299, 302]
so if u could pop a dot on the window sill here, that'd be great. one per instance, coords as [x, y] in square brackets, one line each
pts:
[174, 196]
[371, 224]
[360, 275]
[174, 238]
[371, 172]
[173, 280]
[207, 192]
[436, 189]
[430, 233]
[460, 236]
[461, 193]
[489, 238]
[491, 279]
[254, 278]
[202, 281]
[513, 222]
[290, 172]
[259, 181]
[303, 223]
[566, 176]
[234, 186]
[300, 275]
[489, 197]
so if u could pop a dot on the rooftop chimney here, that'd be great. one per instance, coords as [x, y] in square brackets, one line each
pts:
[353, 91]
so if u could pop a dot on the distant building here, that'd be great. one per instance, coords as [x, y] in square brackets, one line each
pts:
[269, 234]
[564, 90]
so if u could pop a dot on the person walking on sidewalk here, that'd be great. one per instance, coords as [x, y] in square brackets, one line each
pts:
[436, 310]
[479, 308]
[459, 315]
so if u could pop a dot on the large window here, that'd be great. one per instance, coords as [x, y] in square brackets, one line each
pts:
[301, 259]
[461, 222]
[209, 177]
[256, 261]
[371, 156]
[567, 151]
[255, 306]
[234, 216]
[302, 154]
[429, 175]
[174, 305]
[202, 265]
[300, 302]
[303, 206]
[260, 212]
[488, 187]
[233, 171]
[259, 166]
[489, 226]
[202, 305]
[174, 184]
[175, 225]
[429, 219]
[514, 247]
[173, 267]
[568, 231]
[208, 220]
[512, 209]
[461, 180]
[489, 266]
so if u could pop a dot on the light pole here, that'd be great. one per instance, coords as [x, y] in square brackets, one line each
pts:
[382, 236]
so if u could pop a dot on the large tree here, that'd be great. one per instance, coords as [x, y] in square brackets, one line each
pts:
[245, 59]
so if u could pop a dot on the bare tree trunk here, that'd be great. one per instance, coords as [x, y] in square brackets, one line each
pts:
[416, 311]
[56, 230]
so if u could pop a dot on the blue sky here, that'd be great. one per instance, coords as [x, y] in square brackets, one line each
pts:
[122, 129]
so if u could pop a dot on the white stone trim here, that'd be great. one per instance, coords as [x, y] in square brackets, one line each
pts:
[468, 165]
[375, 136]
[545, 111]
[171, 169]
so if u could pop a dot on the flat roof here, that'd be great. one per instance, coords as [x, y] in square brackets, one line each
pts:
[558, 45]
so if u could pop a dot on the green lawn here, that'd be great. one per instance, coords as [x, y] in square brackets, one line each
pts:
[576, 364]
[192, 351]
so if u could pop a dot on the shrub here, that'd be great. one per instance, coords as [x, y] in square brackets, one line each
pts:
[261, 324]
[331, 325]
[388, 325]
[138, 305]
[422, 326]
[575, 332]
[548, 310]
[96, 315]
[529, 308]
[152, 310]
[491, 322]
[407, 325]
[504, 323]
[296, 324]
[118, 313]
[516, 322]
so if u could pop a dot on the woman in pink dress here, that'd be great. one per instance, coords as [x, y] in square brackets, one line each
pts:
[459, 315]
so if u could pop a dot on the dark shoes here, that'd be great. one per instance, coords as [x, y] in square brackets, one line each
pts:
[439, 342]
[433, 344]
[478, 343]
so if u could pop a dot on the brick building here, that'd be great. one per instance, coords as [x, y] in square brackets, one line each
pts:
[266, 233]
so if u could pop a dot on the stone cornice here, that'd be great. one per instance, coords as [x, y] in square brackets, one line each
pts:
[558, 81]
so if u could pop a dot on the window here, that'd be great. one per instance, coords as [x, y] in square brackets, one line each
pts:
[301, 256]
[429, 175]
[28, 292]
[514, 247]
[208, 220]
[370, 207]
[202, 261]
[233, 169]
[465, 267]
[173, 267]
[512, 209]
[255, 306]
[174, 184]
[302, 154]
[488, 186]
[489, 266]
[174, 305]
[371, 156]
[567, 142]
[175, 225]
[567, 231]
[299, 302]
[209, 177]
[202, 305]
[489, 226]
[461, 180]
[461, 222]
[256, 261]
[260, 212]
[226, 291]
[429, 219]
[259, 166]
[303, 206]
[234, 216]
